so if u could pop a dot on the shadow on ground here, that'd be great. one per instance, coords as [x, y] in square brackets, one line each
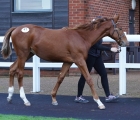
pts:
[123, 109]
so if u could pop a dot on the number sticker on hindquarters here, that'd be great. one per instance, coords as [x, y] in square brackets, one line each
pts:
[25, 30]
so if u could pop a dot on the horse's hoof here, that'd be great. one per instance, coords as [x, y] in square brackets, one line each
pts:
[55, 103]
[27, 104]
[102, 107]
[9, 100]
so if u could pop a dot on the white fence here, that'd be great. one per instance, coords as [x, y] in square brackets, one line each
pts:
[122, 65]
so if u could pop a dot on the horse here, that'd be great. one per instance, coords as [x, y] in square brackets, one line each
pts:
[67, 45]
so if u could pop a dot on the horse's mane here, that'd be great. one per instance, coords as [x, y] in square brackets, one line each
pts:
[92, 25]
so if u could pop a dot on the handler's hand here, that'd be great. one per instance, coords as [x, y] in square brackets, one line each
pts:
[114, 49]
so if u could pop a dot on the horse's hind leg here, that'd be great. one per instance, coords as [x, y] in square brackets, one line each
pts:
[21, 63]
[64, 69]
[12, 73]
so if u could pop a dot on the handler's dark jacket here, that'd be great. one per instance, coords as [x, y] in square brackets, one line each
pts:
[97, 48]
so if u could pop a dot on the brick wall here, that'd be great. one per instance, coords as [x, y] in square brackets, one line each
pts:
[77, 12]
[82, 11]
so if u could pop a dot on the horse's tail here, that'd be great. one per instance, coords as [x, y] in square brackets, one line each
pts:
[6, 48]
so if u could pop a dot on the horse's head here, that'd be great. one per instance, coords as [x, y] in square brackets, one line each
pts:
[117, 33]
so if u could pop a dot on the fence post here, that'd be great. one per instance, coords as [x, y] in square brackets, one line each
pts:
[36, 74]
[122, 71]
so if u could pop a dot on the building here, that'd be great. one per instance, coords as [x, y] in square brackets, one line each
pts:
[59, 13]
[56, 14]
[82, 11]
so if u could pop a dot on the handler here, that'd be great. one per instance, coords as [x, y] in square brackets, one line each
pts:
[95, 60]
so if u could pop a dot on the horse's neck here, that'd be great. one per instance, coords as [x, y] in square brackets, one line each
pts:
[91, 37]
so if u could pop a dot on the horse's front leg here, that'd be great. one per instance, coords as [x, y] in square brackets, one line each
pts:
[21, 63]
[64, 70]
[83, 68]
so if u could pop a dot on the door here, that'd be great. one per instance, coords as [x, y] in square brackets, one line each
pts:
[130, 50]
[131, 22]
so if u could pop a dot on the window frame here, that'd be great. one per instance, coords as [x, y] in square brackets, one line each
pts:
[15, 10]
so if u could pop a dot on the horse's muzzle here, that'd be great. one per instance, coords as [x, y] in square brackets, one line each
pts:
[124, 43]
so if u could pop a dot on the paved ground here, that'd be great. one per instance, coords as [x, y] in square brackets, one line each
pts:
[127, 108]
[124, 109]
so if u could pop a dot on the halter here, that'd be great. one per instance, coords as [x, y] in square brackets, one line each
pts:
[119, 36]
[119, 50]
[116, 30]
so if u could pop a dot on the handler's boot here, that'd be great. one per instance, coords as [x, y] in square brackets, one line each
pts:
[111, 98]
[81, 99]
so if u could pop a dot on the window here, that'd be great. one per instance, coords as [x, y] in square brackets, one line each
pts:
[32, 5]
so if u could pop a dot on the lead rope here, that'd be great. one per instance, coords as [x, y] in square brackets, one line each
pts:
[98, 74]
[98, 83]
[107, 76]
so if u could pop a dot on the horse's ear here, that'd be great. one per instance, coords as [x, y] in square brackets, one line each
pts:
[116, 18]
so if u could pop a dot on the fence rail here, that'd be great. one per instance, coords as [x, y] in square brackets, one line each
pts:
[122, 65]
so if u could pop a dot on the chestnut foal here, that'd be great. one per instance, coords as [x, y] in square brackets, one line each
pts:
[67, 45]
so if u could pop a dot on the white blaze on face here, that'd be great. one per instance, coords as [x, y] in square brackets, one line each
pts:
[25, 30]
